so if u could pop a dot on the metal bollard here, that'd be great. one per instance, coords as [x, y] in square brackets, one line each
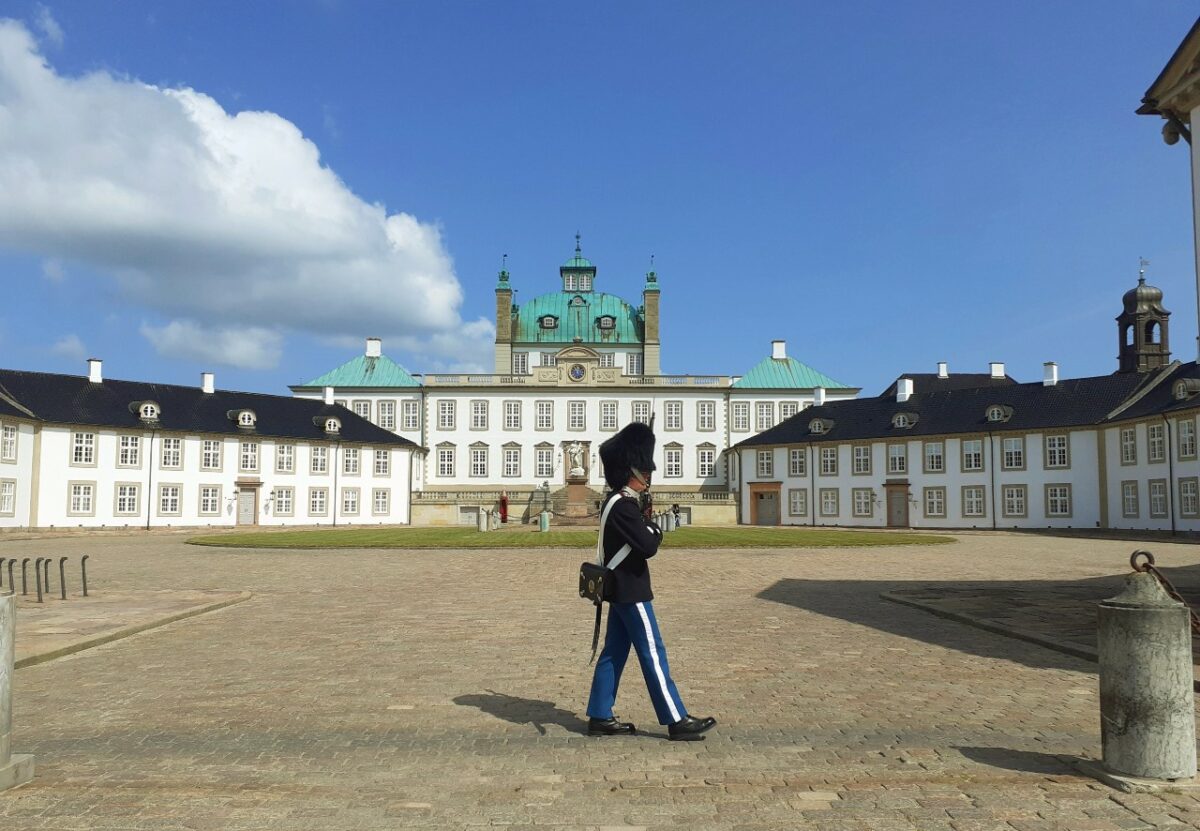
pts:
[15, 769]
[12, 587]
[2, 559]
[83, 572]
[544, 521]
[37, 576]
[62, 576]
[24, 584]
[1147, 707]
[46, 579]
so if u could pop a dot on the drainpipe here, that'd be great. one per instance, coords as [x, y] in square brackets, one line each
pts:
[992, 470]
[336, 470]
[1170, 471]
[150, 478]
[812, 486]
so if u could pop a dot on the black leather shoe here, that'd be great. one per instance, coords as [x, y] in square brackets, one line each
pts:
[610, 727]
[690, 729]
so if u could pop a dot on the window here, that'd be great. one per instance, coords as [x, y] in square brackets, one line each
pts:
[862, 458]
[512, 461]
[900, 420]
[1056, 452]
[362, 409]
[1187, 438]
[797, 462]
[550, 321]
[246, 418]
[168, 500]
[829, 502]
[1014, 453]
[81, 498]
[674, 415]
[607, 322]
[741, 416]
[829, 461]
[285, 501]
[285, 458]
[248, 458]
[568, 283]
[383, 463]
[129, 451]
[1014, 500]
[633, 364]
[8, 443]
[575, 415]
[479, 415]
[446, 414]
[479, 460]
[641, 411]
[706, 415]
[520, 363]
[381, 499]
[387, 415]
[864, 501]
[706, 462]
[351, 461]
[83, 448]
[127, 499]
[548, 359]
[320, 460]
[1158, 498]
[972, 454]
[1156, 445]
[350, 501]
[210, 455]
[897, 458]
[995, 414]
[787, 409]
[973, 501]
[607, 359]
[210, 500]
[8, 497]
[1058, 500]
[608, 415]
[544, 462]
[333, 425]
[411, 415]
[445, 461]
[1129, 499]
[1189, 505]
[148, 411]
[172, 453]
[545, 415]
[935, 457]
[318, 501]
[765, 412]
[798, 501]
[1128, 446]
[512, 415]
[674, 462]
[766, 464]
[935, 502]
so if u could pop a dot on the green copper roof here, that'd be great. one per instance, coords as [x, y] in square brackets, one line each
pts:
[366, 372]
[785, 373]
[577, 314]
[578, 261]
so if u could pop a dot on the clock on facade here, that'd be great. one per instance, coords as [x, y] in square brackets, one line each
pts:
[576, 372]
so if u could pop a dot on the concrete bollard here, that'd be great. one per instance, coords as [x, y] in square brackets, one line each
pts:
[544, 521]
[670, 521]
[482, 519]
[1147, 707]
[14, 769]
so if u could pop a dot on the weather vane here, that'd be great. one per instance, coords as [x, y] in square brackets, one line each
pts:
[1142, 263]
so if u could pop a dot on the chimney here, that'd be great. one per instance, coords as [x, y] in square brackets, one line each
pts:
[374, 347]
[997, 369]
[779, 350]
[943, 369]
[904, 390]
[207, 382]
[329, 395]
[819, 397]
[1049, 374]
[95, 373]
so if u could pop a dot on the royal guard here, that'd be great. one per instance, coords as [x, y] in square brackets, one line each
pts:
[627, 542]
[503, 506]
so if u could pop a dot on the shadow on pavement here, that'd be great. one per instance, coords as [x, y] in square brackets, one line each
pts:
[524, 711]
[1029, 761]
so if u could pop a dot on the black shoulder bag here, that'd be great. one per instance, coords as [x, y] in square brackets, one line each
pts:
[595, 582]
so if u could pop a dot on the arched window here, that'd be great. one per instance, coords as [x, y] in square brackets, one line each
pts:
[901, 420]
[246, 418]
[816, 426]
[332, 425]
[149, 411]
[1152, 331]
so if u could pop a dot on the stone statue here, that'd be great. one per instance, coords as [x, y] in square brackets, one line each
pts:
[575, 456]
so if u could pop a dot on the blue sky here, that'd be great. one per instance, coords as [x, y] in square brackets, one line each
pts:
[253, 188]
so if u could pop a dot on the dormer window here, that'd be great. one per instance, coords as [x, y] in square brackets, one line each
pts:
[245, 419]
[820, 425]
[998, 412]
[607, 322]
[147, 410]
[333, 425]
[1185, 388]
[549, 322]
[576, 301]
[585, 282]
[900, 420]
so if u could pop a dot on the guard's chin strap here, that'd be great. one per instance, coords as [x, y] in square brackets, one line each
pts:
[641, 477]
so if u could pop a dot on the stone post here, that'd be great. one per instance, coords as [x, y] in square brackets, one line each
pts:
[1147, 707]
[14, 769]
[482, 519]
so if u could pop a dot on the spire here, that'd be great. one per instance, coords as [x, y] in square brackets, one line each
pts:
[503, 284]
[651, 277]
[578, 250]
[1142, 263]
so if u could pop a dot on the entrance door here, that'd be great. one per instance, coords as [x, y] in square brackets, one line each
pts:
[247, 506]
[768, 508]
[897, 501]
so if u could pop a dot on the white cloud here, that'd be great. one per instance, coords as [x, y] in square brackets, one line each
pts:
[71, 347]
[243, 347]
[53, 270]
[52, 33]
[225, 220]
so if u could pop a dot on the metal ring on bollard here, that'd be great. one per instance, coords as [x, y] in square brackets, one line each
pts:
[1133, 561]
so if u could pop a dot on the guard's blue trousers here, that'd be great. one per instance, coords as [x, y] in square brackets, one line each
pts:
[633, 624]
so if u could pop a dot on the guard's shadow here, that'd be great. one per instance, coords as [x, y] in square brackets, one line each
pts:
[1028, 761]
[524, 711]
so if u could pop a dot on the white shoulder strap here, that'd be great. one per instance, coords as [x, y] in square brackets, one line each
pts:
[623, 551]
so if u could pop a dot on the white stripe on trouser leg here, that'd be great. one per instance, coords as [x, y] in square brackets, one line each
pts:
[662, 681]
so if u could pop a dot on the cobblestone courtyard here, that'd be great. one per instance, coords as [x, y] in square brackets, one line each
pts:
[435, 689]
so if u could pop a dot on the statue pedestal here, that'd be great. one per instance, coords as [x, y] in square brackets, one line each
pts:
[579, 500]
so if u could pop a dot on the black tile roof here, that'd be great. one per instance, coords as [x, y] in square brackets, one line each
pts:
[1071, 403]
[73, 399]
[932, 382]
[1159, 397]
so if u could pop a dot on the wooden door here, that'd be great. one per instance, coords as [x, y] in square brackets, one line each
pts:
[248, 506]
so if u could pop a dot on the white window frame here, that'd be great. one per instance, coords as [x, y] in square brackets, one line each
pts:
[706, 462]
[576, 415]
[81, 499]
[285, 501]
[798, 502]
[170, 456]
[212, 495]
[383, 462]
[479, 462]
[511, 462]
[972, 495]
[1014, 495]
[787, 409]
[128, 492]
[1156, 445]
[129, 451]
[673, 415]
[210, 450]
[797, 461]
[285, 458]
[641, 412]
[512, 415]
[740, 416]
[1130, 506]
[863, 502]
[861, 459]
[898, 458]
[706, 416]
[479, 414]
[446, 414]
[633, 363]
[361, 408]
[934, 501]
[972, 451]
[381, 497]
[1187, 438]
[829, 460]
[351, 501]
[544, 415]
[318, 460]
[1059, 504]
[764, 415]
[543, 462]
[1012, 455]
[387, 414]
[608, 416]
[1128, 445]
[765, 463]
[411, 415]
[446, 462]
[83, 451]
[8, 443]
[1058, 451]
[318, 501]
[520, 363]
[830, 502]
[1157, 492]
[8, 497]
[170, 499]
[248, 457]
[351, 461]
[673, 462]
[935, 458]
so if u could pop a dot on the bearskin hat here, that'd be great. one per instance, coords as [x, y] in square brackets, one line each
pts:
[633, 447]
